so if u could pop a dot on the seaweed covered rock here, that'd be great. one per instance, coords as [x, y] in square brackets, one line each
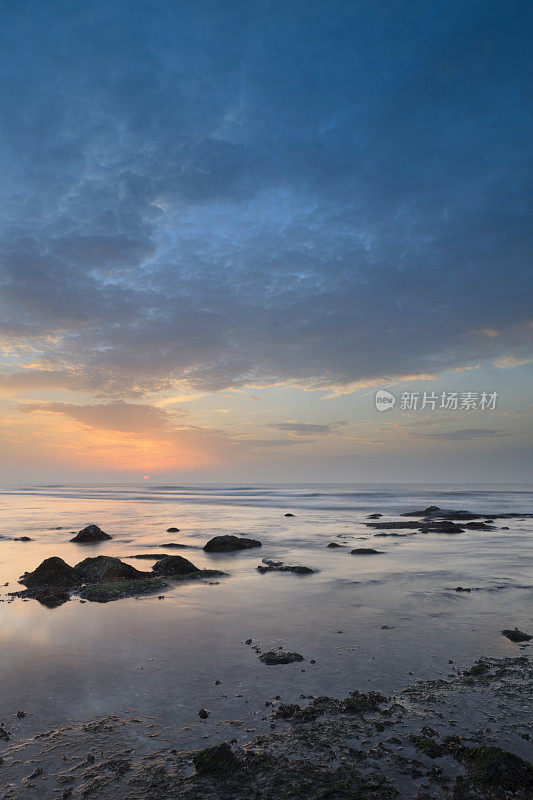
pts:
[52, 572]
[217, 760]
[227, 543]
[273, 657]
[106, 568]
[494, 767]
[92, 533]
[361, 702]
[516, 635]
[106, 591]
[174, 565]
[278, 566]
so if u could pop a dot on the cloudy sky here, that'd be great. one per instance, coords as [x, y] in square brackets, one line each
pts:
[226, 225]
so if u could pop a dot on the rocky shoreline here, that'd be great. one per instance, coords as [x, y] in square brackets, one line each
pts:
[419, 744]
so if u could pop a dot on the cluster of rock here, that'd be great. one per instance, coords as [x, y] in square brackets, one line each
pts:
[103, 578]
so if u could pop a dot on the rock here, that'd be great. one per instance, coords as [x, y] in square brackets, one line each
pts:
[217, 760]
[365, 551]
[21, 714]
[92, 533]
[374, 516]
[273, 657]
[427, 512]
[52, 572]
[279, 566]
[175, 544]
[462, 589]
[441, 526]
[227, 543]
[361, 702]
[288, 514]
[173, 530]
[174, 565]
[23, 539]
[479, 526]
[335, 544]
[106, 568]
[492, 766]
[393, 525]
[149, 556]
[117, 590]
[517, 636]
[203, 714]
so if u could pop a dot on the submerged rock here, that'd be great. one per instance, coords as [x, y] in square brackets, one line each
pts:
[516, 635]
[106, 568]
[361, 702]
[479, 526]
[279, 566]
[175, 545]
[227, 543]
[374, 516]
[23, 539]
[92, 533]
[217, 760]
[336, 544]
[173, 530]
[174, 565]
[365, 551]
[117, 590]
[52, 572]
[273, 657]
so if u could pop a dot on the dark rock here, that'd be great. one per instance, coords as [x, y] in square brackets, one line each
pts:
[517, 636]
[479, 526]
[203, 714]
[492, 766]
[23, 539]
[279, 566]
[427, 512]
[462, 589]
[173, 530]
[393, 525]
[362, 702]
[21, 714]
[218, 760]
[117, 590]
[227, 543]
[365, 551]
[52, 572]
[105, 568]
[335, 544]
[288, 515]
[92, 533]
[441, 526]
[176, 545]
[174, 565]
[149, 556]
[374, 516]
[273, 657]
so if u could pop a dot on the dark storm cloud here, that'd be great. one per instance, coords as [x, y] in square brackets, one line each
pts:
[242, 193]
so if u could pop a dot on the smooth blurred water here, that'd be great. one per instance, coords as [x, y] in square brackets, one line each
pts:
[162, 657]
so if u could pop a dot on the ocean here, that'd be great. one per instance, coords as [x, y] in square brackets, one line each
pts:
[360, 622]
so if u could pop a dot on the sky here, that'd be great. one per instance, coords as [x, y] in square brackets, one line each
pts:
[225, 226]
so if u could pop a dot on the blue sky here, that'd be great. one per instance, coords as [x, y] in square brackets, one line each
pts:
[222, 221]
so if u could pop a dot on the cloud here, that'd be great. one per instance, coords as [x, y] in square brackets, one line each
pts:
[464, 434]
[180, 205]
[117, 416]
[307, 428]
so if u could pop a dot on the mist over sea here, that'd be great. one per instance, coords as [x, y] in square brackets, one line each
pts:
[371, 622]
